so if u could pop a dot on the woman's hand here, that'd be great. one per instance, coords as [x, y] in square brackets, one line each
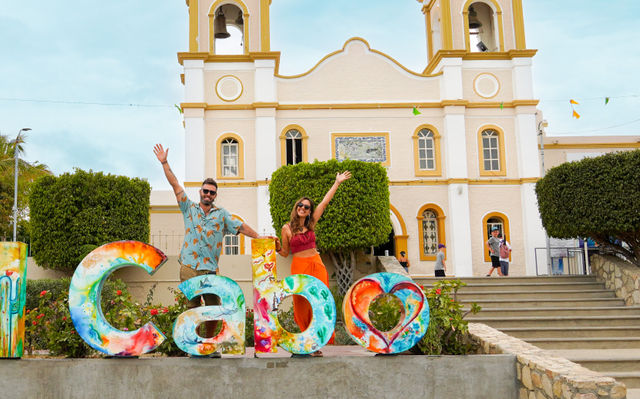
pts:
[340, 177]
[278, 245]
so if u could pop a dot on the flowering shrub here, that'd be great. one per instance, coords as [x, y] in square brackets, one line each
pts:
[448, 332]
[164, 317]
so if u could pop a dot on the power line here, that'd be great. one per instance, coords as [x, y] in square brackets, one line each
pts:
[34, 100]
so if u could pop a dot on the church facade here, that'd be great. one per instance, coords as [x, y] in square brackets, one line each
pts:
[459, 139]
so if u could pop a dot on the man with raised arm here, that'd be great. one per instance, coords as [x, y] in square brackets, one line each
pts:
[205, 226]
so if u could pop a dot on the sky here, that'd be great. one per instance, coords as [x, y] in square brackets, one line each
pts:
[97, 81]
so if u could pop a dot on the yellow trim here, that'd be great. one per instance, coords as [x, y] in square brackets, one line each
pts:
[403, 225]
[283, 143]
[387, 162]
[401, 244]
[193, 25]
[265, 39]
[469, 56]
[501, 140]
[505, 223]
[436, 148]
[409, 106]
[422, 182]
[241, 236]
[518, 24]
[182, 78]
[429, 36]
[245, 24]
[219, 157]
[233, 99]
[164, 209]
[447, 30]
[589, 146]
[230, 184]
[465, 20]
[441, 233]
[490, 74]
[422, 75]
[247, 57]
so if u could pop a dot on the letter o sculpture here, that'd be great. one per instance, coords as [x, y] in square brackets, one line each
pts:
[408, 331]
[85, 292]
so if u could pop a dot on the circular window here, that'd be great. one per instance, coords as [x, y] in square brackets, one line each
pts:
[229, 88]
[486, 85]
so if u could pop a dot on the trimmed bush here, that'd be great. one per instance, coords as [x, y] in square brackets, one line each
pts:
[597, 198]
[75, 213]
[357, 217]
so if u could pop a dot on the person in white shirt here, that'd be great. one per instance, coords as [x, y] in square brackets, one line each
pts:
[505, 252]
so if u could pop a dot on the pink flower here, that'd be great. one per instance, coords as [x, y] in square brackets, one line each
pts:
[438, 291]
[28, 311]
[119, 292]
[64, 318]
[41, 315]
[43, 293]
[34, 322]
[125, 329]
[154, 312]
[165, 310]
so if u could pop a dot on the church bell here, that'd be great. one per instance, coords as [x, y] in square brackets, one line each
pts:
[474, 22]
[220, 26]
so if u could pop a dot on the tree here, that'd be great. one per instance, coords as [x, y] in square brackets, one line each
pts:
[597, 198]
[27, 174]
[357, 217]
[74, 213]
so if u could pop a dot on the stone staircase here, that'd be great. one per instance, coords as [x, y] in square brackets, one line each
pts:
[575, 317]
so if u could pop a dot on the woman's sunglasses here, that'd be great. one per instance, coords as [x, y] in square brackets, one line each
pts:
[305, 206]
[212, 192]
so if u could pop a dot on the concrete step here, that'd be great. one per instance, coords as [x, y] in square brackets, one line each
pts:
[586, 343]
[560, 321]
[572, 332]
[535, 287]
[561, 302]
[540, 295]
[613, 365]
[560, 311]
[507, 280]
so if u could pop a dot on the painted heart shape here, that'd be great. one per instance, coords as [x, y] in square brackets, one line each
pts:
[408, 331]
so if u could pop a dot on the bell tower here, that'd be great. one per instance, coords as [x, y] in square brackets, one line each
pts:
[473, 26]
[229, 26]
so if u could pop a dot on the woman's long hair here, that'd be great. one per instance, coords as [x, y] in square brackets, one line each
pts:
[309, 222]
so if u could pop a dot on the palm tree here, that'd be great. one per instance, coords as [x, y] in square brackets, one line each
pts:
[27, 174]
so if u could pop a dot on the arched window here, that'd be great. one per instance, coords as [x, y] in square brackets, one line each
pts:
[230, 157]
[233, 244]
[480, 26]
[293, 145]
[426, 142]
[293, 139]
[228, 28]
[430, 230]
[491, 148]
[491, 220]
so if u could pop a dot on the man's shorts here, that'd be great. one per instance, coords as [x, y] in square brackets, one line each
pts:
[495, 261]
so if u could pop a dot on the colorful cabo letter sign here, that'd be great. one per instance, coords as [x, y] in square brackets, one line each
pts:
[409, 330]
[13, 292]
[85, 293]
[231, 312]
[267, 295]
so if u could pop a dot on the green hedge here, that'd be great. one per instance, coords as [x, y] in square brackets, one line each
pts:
[358, 215]
[74, 213]
[597, 198]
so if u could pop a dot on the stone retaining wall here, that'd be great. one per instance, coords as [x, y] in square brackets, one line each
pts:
[618, 275]
[542, 375]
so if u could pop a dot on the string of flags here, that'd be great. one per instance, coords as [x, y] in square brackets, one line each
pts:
[574, 114]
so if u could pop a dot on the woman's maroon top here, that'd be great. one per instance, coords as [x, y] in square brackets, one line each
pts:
[302, 241]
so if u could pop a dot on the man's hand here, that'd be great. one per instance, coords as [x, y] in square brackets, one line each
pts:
[161, 153]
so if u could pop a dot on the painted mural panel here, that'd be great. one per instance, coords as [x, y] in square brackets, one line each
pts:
[269, 293]
[13, 290]
[412, 326]
[85, 293]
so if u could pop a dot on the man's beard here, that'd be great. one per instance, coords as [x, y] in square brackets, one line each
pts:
[206, 200]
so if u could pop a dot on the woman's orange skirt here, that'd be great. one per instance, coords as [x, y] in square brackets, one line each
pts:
[313, 266]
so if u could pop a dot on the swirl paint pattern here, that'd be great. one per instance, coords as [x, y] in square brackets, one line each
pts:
[85, 294]
[231, 312]
[411, 328]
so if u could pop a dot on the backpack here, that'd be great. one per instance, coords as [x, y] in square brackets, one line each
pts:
[504, 250]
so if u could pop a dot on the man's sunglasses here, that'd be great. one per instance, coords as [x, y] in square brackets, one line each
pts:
[212, 192]
[305, 206]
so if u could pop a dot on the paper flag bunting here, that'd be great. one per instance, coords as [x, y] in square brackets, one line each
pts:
[575, 114]
[606, 100]
[572, 101]
[415, 111]
[178, 107]
[502, 105]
